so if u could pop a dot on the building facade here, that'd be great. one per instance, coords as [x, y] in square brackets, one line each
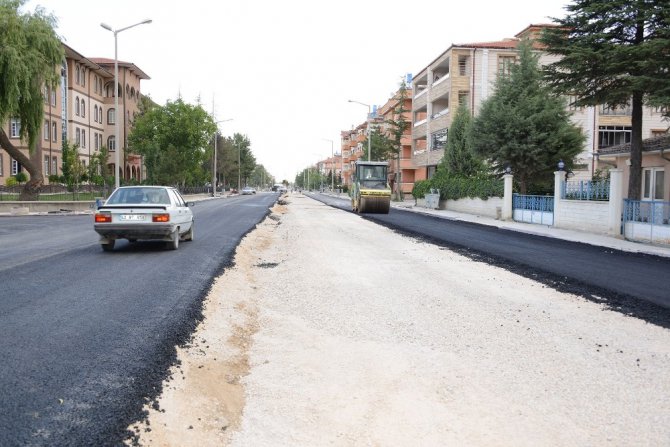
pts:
[465, 75]
[81, 111]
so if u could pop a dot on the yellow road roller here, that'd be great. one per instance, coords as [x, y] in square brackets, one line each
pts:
[370, 191]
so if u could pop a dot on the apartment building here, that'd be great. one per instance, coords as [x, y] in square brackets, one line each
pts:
[465, 75]
[404, 165]
[81, 111]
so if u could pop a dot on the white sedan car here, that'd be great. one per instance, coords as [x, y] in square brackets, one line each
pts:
[144, 212]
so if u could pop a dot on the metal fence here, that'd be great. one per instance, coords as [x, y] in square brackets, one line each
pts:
[647, 221]
[58, 193]
[62, 193]
[586, 190]
[533, 209]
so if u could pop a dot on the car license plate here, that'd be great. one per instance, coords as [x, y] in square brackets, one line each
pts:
[132, 217]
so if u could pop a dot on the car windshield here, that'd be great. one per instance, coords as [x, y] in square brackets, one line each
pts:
[139, 195]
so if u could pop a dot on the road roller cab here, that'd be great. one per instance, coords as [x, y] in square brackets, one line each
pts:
[370, 192]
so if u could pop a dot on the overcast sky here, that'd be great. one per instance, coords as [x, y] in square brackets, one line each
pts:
[284, 70]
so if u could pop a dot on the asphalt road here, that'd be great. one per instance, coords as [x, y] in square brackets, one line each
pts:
[86, 336]
[636, 284]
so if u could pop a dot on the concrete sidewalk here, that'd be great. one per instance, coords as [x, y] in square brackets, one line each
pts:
[541, 230]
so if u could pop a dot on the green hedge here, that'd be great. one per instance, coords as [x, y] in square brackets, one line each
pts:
[454, 188]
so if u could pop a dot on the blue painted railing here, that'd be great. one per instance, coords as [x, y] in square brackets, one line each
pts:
[586, 190]
[533, 203]
[653, 212]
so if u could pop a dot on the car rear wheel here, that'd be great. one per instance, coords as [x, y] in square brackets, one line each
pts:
[109, 246]
[190, 234]
[174, 243]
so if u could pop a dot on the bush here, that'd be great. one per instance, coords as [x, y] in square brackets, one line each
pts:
[11, 181]
[21, 177]
[454, 188]
[421, 188]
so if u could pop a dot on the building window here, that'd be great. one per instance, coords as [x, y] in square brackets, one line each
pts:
[53, 98]
[76, 105]
[95, 83]
[653, 184]
[95, 113]
[83, 77]
[54, 134]
[46, 165]
[505, 64]
[83, 138]
[111, 116]
[15, 167]
[77, 136]
[54, 165]
[658, 133]
[438, 140]
[76, 74]
[83, 109]
[464, 65]
[606, 109]
[464, 98]
[430, 171]
[15, 128]
[613, 135]
[47, 128]
[111, 143]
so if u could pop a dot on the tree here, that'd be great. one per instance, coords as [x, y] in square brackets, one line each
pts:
[614, 52]
[397, 127]
[29, 54]
[524, 126]
[175, 140]
[73, 168]
[381, 146]
[459, 158]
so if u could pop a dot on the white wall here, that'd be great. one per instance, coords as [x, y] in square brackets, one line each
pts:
[476, 206]
[584, 215]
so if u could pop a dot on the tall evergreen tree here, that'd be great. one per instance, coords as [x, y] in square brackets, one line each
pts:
[522, 124]
[30, 51]
[614, 52]
[459, 158]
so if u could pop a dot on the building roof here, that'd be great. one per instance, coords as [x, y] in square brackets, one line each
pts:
[531, 31]
[654, 144]
[105, 62]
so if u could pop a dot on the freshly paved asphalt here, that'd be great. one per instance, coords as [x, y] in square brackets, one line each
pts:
[632, 283]
[86, 337]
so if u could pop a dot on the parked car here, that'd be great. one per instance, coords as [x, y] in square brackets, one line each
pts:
[248, 190]
[144, 213]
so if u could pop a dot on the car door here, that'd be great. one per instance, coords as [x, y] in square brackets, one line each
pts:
[183, 214]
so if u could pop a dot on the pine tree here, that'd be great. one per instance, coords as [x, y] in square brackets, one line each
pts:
[614, 52]
[524, 126]
[459, 159]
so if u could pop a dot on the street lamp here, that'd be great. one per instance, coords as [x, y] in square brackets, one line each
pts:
[117, 160]
[332, 163]
[239, 168]
[368, 121]
[216, 139]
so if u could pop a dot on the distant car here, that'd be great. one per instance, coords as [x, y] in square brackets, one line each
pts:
[144, 213]
[248, 190]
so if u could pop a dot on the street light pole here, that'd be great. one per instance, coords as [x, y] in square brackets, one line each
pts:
[117, 161]
[239, 168]
[368, 121]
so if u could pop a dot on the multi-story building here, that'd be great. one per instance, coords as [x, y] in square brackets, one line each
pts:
[81, 111]
[465, 75]
[404, 165]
